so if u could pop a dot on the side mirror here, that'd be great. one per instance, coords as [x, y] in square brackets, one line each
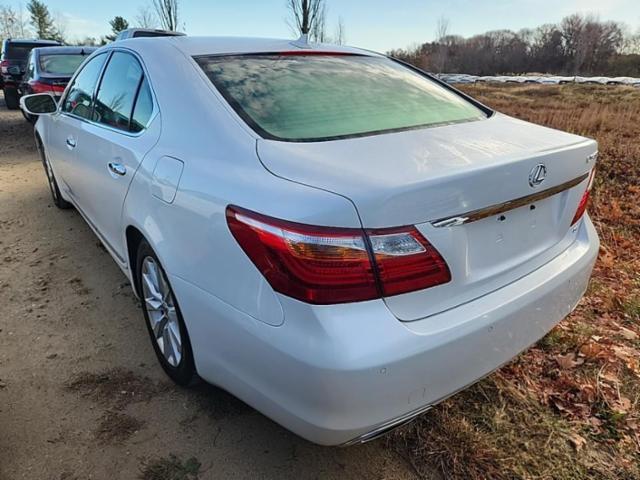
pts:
[15, 70]
[39, 104]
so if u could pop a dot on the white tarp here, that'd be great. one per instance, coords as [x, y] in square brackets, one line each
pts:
[541, 79]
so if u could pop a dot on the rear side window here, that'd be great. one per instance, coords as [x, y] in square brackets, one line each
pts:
[61, 64]
[143, 109]
[79, 100]
[117, 92]
[30, 66]
[148, 34]
[324, 97]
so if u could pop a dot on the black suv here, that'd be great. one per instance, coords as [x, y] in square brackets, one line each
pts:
[13, 63]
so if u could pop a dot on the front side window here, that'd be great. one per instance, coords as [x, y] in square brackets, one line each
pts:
[323, 97]
[117, 91]
[79, 100]
[61, 64]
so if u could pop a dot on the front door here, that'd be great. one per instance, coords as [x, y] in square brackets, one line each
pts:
[64, 128]
[111, 146]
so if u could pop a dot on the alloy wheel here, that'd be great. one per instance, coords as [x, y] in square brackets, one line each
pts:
[161, 311]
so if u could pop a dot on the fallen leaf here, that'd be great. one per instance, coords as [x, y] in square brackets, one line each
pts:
[577, 441]
[606, 258]
[595, 422]
[622, 405]
[615, 212]
[628, 334]
[567, 361]
[591, 350]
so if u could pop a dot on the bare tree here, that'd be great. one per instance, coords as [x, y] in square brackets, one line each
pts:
[442, 53]
[8, 21]
[146, 17]
[341, 35]
[22, 22]
[589, 43]
[305, 15]
[13, 23]
[631, 44]
[168, 13]
[60, 25]
[319, 30]
[578, 45]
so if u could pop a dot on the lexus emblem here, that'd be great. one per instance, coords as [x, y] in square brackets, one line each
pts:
[537, 175]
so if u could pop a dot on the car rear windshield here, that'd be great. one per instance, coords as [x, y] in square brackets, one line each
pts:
[19, 51]
[61, 64]
[323, 97]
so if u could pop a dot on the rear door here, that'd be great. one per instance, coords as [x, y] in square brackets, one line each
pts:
[111, 146]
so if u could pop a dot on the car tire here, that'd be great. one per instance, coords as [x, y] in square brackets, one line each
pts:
[11, 98]
[165, 324]
[56, 196]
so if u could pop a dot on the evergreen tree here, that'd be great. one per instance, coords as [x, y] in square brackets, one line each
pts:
[42, 21]
[118, 24]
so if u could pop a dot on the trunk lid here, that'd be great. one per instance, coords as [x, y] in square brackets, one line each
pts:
[54, 79]
[420, 177]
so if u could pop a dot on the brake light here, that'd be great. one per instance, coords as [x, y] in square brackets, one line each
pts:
[323, 265]
[309, 53]
[582, 206]
[406, 261]
[4, 66]
[40, 87]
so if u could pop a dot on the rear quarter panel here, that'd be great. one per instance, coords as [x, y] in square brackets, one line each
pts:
[190, 235]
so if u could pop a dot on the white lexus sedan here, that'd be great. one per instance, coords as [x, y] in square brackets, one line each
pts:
[337, 238]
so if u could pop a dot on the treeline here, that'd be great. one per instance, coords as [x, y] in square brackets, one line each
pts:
[578, 45]
[308, 17]
[37, 21]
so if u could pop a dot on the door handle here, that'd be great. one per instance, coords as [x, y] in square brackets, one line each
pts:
[71, 142]
[117, 168]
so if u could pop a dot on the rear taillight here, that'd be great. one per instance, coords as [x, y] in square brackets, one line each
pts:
[406, 261]
[40, 87]
[582, 206]
[4, 66]
[322, 265]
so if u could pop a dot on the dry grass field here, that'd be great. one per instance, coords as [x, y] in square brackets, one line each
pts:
[569, 407]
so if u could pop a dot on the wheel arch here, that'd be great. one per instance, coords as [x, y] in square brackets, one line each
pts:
[133, 238]
[38, 139]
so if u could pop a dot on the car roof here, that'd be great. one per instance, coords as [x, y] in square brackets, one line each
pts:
[31, 42]
[194, 46]
[68, 50]
[130, 32]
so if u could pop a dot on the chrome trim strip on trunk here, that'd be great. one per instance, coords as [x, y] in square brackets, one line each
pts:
[481, 213]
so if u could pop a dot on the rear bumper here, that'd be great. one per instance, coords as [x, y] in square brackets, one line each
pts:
[333, 374]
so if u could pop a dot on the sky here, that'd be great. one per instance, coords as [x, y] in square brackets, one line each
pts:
[374, 24]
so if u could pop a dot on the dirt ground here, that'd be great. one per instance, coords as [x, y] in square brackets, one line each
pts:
[81, 394]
